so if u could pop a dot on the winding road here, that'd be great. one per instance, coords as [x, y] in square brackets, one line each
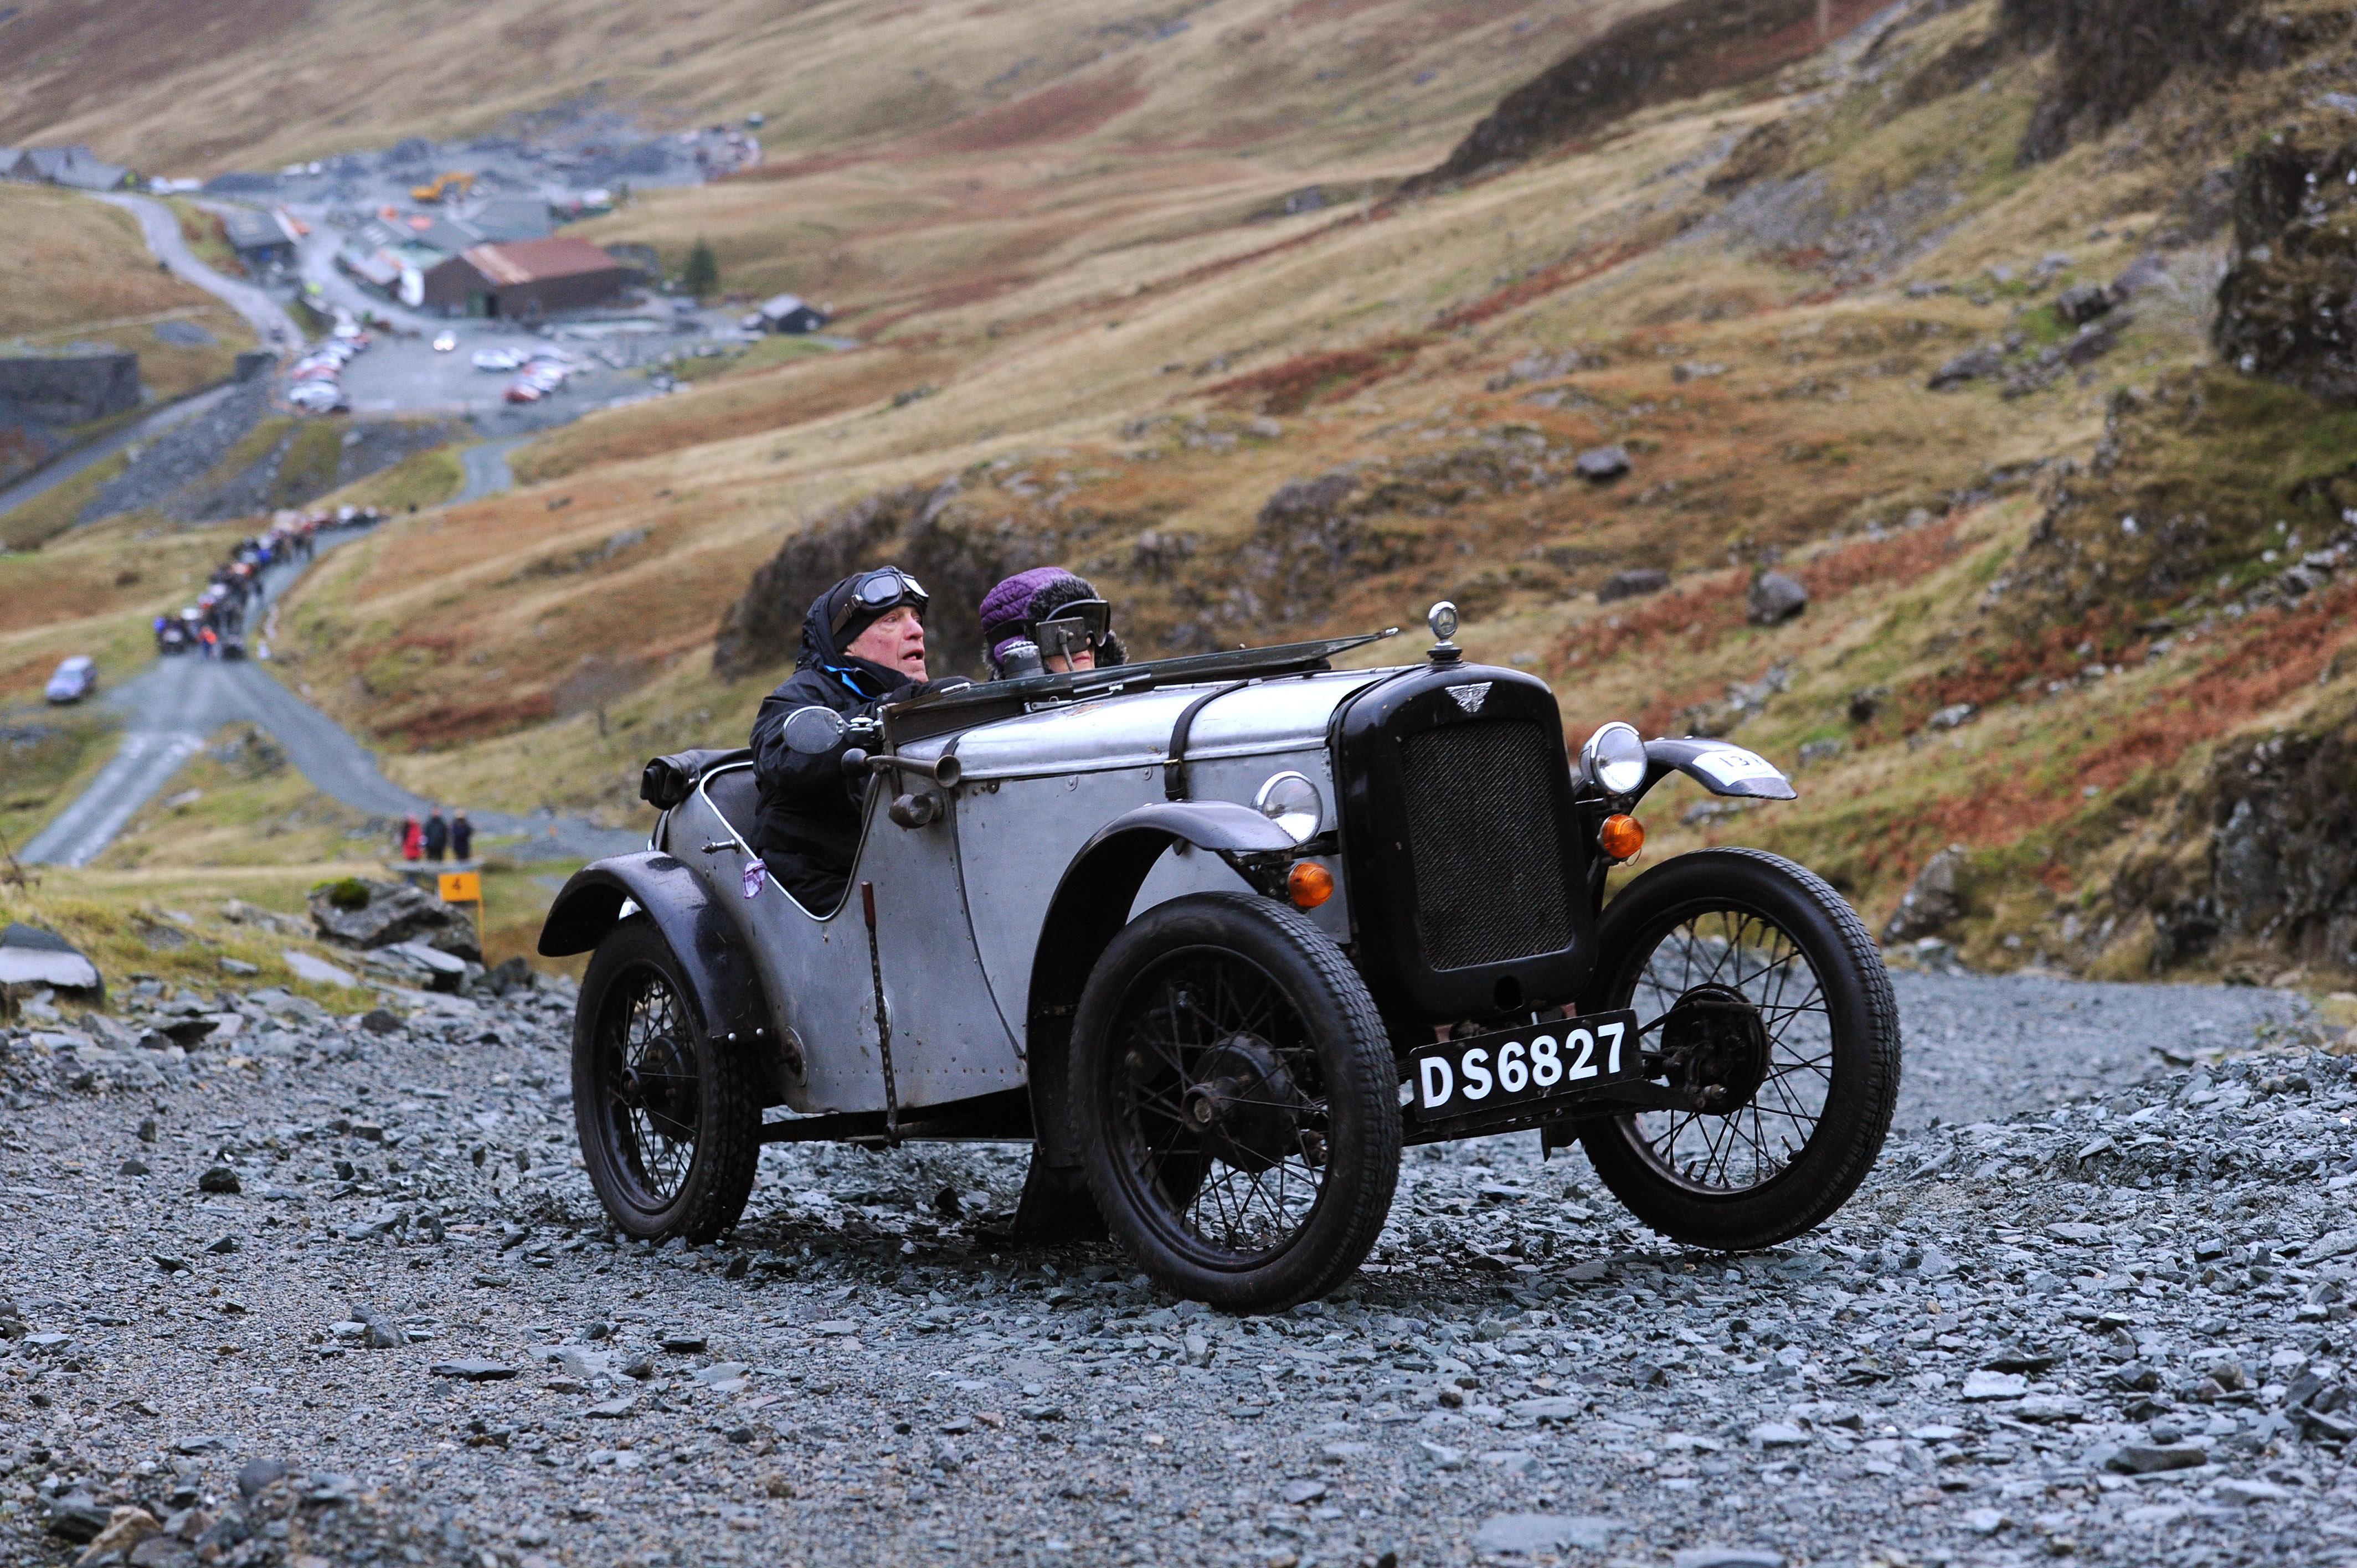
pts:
[269, 319]
[179, 701]
[161, 229]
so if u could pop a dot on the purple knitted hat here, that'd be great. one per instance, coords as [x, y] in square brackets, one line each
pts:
[1005, 606]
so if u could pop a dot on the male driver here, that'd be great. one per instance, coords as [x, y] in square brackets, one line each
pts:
[863, 644]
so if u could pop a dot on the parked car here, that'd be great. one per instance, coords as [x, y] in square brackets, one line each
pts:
[75, 678]
[1219, 936]
[445, 341]
[525, 391]
[497, 359]
[319, 397]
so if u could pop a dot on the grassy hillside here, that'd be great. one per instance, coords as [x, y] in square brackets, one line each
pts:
[270, 80]
[1110, 346]
[77, 272]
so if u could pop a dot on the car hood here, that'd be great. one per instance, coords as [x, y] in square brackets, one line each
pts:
[1286, 714]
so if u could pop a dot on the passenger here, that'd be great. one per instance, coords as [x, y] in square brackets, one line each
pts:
[1019, 608]
[863, 645]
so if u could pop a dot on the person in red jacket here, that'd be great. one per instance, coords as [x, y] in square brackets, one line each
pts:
[412, 839]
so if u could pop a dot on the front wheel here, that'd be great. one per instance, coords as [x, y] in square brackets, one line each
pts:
[1236, 1103]
[670, 1130]
[1761, 998]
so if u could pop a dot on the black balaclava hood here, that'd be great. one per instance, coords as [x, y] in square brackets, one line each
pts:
[822, 651]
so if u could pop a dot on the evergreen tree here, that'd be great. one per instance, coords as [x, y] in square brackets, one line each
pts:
[702, 275]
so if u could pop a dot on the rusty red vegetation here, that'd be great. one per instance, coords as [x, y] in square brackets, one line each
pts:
[1703, 610]
[1539, 284]
[1057, 113]
[1887, 563]
[2047, 654]
[1293, 385]
[2277, 654]
[448, 724]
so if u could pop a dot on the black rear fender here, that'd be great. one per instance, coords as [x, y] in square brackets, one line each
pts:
[728, 998]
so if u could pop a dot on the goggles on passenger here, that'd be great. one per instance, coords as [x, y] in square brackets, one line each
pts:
[1083, 624]
[872, 592]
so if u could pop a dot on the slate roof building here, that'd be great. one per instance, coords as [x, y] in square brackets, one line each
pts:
[525, 279]
[83, 171]
[506, 218]
[788, 313]
[259, 238]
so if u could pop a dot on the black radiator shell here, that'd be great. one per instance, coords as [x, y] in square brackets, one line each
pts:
[1380, 740]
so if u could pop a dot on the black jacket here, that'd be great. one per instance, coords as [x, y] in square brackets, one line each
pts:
[807, 828]
[438, 835]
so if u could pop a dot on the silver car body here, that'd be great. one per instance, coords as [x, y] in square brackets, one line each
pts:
[962, 905]
[959, 903]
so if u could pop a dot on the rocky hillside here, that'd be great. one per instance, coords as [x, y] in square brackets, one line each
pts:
[1952, 409]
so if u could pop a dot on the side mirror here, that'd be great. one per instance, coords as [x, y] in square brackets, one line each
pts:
[814, 731]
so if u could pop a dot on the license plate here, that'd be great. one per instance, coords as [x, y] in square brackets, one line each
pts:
[1505, 1076]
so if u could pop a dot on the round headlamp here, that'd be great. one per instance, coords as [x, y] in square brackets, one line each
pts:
[1614, 759]
[1291, 802]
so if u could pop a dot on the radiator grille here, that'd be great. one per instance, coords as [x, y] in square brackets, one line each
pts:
[1485, 845]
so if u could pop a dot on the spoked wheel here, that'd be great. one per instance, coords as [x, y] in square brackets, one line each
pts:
[669, 1129]
[1758, 995]
[1238, 1109]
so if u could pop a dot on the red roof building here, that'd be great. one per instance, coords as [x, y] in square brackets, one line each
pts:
[526, 279]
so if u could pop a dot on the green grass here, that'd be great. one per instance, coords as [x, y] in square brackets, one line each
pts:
[309, 466]
[55, 510]
[778, 349]
[427, 479]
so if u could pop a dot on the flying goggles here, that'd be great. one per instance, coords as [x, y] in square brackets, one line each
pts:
[1084, 624]
[873, 593]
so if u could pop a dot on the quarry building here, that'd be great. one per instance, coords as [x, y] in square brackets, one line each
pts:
[521, 279]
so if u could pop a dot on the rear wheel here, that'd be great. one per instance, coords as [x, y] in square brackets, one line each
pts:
[1758, 992]
[670, 1130]
[1237, 1104]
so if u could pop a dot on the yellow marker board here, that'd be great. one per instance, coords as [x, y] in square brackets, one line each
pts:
[462, 887]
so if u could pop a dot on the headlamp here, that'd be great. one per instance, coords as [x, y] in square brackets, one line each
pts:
[1291, 802]
[1614, 759]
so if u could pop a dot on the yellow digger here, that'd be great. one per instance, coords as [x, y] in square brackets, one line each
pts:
[450, 187]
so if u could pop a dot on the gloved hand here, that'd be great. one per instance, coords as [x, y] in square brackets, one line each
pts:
[915, 689]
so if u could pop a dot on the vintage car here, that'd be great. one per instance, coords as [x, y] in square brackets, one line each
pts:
[1216, 936]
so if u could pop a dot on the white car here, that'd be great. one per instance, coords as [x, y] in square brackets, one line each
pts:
[497, 360]
[445, 342]
[319, 397]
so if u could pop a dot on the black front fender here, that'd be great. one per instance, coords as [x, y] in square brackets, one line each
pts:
[1720, 767]
[728, 998]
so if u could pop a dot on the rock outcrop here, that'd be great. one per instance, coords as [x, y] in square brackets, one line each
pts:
[2287, 305]
[929, 530]
[363, 914]
[1680, 51]
[2263, 857]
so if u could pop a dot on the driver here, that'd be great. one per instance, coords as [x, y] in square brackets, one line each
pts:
[863, 645]
[1057, 611]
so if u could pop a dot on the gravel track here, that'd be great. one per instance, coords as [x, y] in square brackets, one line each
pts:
[2109, 1327]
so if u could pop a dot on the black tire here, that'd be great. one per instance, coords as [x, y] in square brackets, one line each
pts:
[1814, 1085]
[1235, 1102]
[669, 1129]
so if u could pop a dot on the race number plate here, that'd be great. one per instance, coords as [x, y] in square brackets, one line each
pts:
[1513, 1075]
